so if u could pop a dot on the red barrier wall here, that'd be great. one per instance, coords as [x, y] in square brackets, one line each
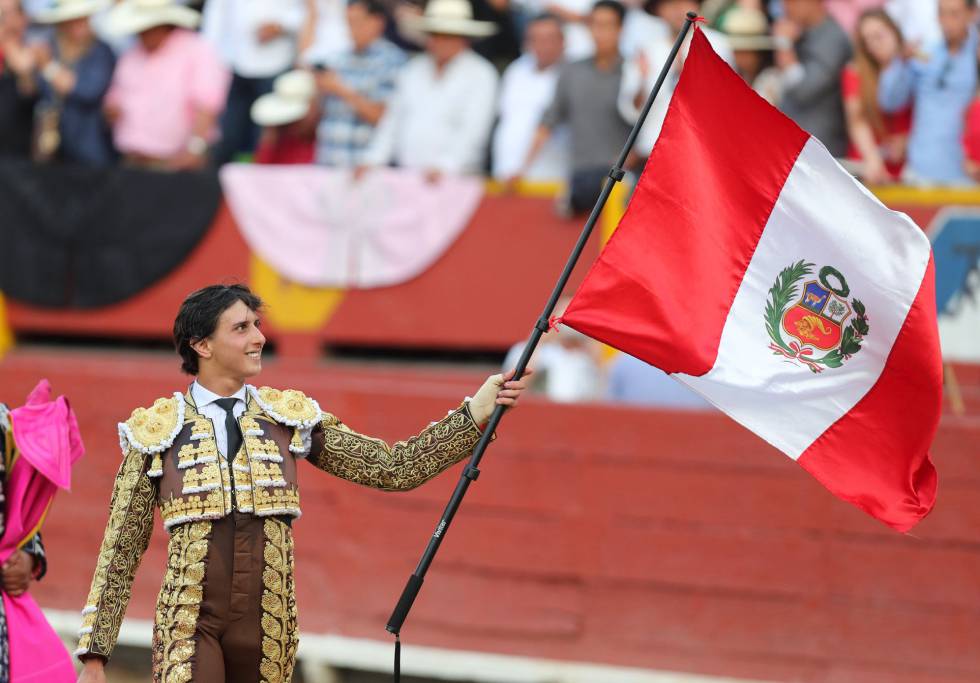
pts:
[635, 537]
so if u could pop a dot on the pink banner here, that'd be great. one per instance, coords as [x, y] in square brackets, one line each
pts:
[321, 228]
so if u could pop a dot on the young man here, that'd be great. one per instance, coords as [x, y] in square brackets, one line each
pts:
[220, 461]
[940, 86]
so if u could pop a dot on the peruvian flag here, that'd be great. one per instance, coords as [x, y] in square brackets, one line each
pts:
[756, 271]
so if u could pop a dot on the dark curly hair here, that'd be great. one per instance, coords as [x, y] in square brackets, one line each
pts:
[198, 317]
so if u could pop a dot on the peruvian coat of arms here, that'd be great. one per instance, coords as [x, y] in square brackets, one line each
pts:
[820, 329]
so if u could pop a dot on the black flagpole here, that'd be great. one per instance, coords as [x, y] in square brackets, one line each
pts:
[471, 472]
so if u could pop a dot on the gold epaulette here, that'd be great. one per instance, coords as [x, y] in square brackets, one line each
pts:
[153, 429]
[288, 407]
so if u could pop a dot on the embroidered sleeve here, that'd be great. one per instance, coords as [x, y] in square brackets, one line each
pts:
[127, 536]
[340, 451]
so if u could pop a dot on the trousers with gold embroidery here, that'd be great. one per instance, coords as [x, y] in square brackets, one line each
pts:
[227, 608]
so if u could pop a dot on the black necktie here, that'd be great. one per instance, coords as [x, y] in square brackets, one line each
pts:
[231, 427]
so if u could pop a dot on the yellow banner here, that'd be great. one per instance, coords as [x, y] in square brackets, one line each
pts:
[6, 334]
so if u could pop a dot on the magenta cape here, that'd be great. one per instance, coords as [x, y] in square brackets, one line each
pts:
[48, 443]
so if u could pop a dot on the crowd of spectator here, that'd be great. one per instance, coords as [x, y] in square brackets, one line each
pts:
[517, 89]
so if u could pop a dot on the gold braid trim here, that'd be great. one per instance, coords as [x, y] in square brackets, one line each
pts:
[126, 537]
[279, 633]
[403, 466]
[179, 605]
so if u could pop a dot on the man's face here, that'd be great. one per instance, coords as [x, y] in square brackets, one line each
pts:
[443, 47]
[152, 38]
[12, 20]
[545, 41]
[605, 27]
[365, 28]
[234, 349]
[799, 11]
[75, 30]
[674, 12]
[955, 17]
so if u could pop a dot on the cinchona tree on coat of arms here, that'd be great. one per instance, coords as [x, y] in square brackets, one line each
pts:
[816, 323]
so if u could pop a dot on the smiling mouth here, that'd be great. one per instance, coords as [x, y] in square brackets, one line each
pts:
[256, 355]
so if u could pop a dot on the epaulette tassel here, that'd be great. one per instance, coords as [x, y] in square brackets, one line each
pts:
[156, 466]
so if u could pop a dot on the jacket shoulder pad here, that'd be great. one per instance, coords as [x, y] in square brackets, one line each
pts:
[153, 429]
[287, 406]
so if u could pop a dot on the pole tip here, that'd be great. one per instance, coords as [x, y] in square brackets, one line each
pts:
[692, 16]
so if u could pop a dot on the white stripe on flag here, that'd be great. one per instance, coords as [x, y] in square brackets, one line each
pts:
[823, 217]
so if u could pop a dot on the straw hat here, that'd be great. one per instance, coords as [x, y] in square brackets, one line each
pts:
[747, 29]
[66, 10]
[288, 102]
[451, 17]
[136, 16]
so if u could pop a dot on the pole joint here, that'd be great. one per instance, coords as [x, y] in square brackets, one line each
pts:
[471, 473]
[617, 174]
[542, 325]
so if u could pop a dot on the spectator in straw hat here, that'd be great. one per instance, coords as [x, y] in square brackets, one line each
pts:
[752, 47]
[168, 89]
[440, 117]
[75, 70]
[287, 117]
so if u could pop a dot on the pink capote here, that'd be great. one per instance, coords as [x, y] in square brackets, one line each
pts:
[49, 443]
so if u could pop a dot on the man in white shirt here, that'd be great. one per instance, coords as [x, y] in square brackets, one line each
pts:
[257, 39]
[440, 117]
[526, 90]
[641, 72]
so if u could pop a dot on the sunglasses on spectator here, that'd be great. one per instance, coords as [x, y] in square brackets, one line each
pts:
[944, 74]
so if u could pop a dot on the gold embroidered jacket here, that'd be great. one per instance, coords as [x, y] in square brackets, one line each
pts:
[171, 460]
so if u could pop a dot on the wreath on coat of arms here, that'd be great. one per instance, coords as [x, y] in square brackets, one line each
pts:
[815, 323]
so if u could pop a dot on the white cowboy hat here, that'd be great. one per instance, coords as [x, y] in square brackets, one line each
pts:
[452, 17]
[288, 102]
[747, 29]
[66, 10]
[136, 16]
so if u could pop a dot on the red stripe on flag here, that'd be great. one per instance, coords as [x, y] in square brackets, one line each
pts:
[716, 171]
[877, 455]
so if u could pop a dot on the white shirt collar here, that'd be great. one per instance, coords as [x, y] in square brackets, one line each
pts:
[203, 396]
